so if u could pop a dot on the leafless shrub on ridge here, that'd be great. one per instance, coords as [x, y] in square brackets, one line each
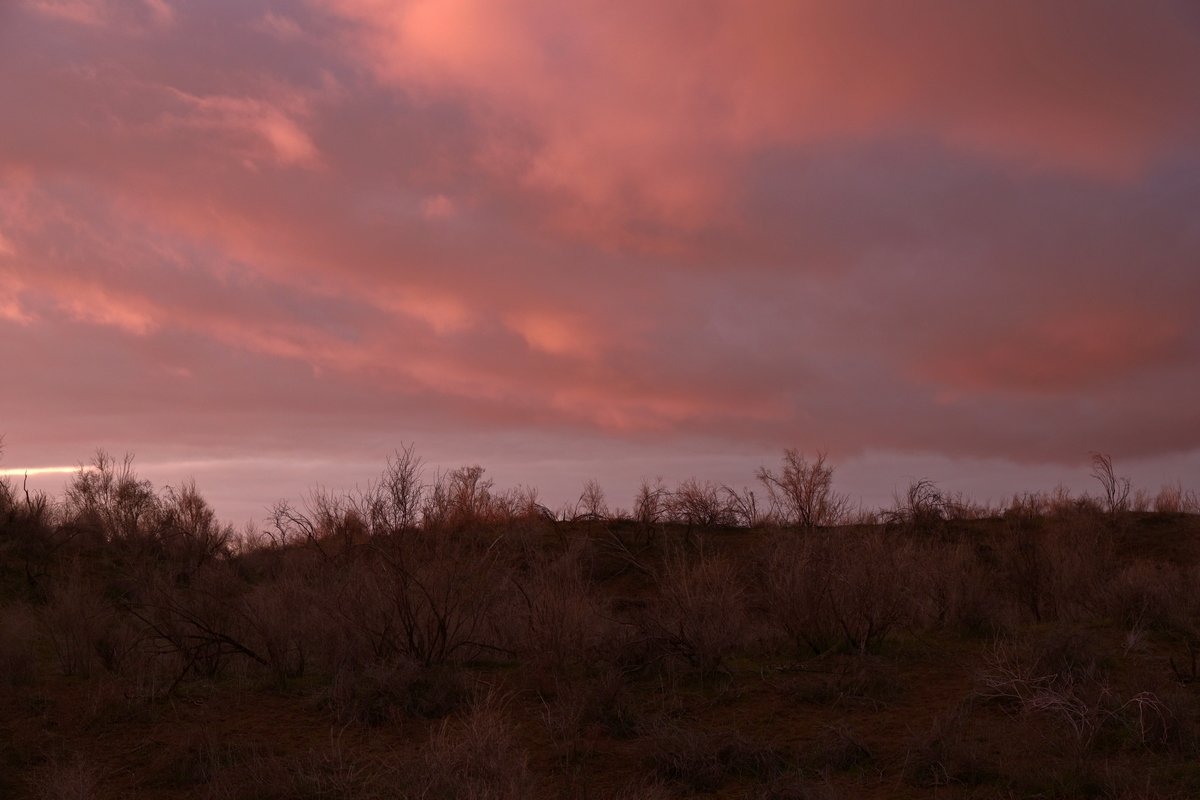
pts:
[328, 523]
[801, 493]
[591, 504]
[649, 506]
[459, 497]
[108, 497]
[1116, 488]
[744, 509]
[189, 528]
[1175, 500]
[922, 506]
[699, 505]
[393, 503]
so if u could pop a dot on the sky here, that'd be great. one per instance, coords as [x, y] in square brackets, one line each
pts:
[265, 243]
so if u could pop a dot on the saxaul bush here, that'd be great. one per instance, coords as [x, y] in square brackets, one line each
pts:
[802, 494]
[591, 504]
[392, 504]
[699, 504]
[922, 507]
[649, 506]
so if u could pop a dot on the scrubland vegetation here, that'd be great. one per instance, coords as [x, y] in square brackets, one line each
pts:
[433, 637]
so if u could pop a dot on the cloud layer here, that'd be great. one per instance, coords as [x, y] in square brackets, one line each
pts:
[236, 228]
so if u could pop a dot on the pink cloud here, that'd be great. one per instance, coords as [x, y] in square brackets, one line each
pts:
[554, 333]
[1072, 349]
[692, 227]
[260, 129]
[104, 13]
[642, 114]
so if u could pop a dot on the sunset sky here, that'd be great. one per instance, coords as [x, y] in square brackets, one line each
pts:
[266, 243]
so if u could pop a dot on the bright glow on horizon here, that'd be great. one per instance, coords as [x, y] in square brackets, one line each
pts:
[9, 472]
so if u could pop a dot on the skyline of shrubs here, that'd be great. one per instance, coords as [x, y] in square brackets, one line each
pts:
[431, 636]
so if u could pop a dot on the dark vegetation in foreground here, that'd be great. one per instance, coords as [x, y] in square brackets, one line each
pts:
[431, 637]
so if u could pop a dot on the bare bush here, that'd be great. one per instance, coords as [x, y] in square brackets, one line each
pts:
[649, 506]
[1060, 676]
[1172, 500]
[743, 508]
[278, 620]
[591, 503]
[700, 610]
[457, 497]
[802, 493]
[189, 528]
[329, 524]
[203, 623]
[951, 587]
[82, 629]
[922, 506]
[699, 505]
[393, 503]
[824, 589]
[1146, 594]
[1116, 488]
[108, 497]
[426, 597]
[1058, 572]
[557, 617]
